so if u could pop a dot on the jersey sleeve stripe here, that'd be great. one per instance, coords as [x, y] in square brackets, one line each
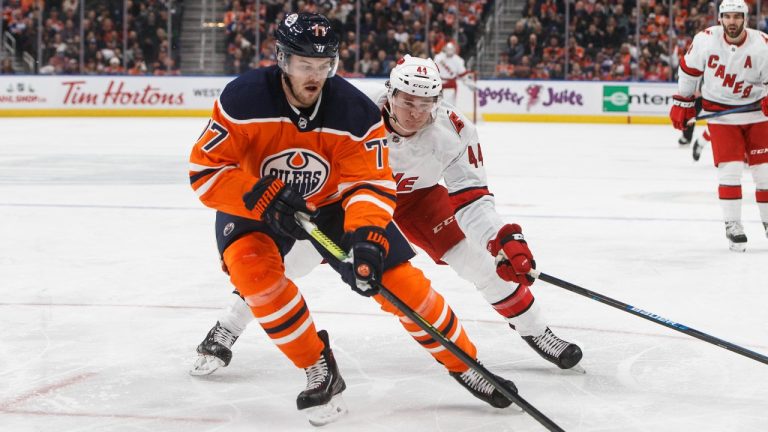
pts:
[203, 188]
[370, 186]
[465, 197]
[197, 167]
[193, 178]
[689, 70]
[370, 199]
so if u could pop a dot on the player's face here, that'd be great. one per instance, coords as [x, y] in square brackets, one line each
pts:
[733, 24]
[307, 77]
[412, 112]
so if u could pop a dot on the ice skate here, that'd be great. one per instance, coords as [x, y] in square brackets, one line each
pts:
[683, 141]
[321, 401]
[559, 352]
[482, 389]
[765, 226]
[214, 351]
[737, 240]
[696, 150]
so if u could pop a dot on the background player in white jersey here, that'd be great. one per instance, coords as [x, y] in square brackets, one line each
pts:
[452, 68]
[429, 141]
[730, 62]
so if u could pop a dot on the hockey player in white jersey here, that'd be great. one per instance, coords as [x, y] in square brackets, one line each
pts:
[730, 62]
[430, 141]
[452, 69]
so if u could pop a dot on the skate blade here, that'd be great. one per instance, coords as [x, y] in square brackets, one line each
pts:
[323, 414]
[697, 148]
[738, 247]
[205, 365]
[576, 369]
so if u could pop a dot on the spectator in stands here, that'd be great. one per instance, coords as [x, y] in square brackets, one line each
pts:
[515, 50]
[366, 63]
[114, 67]
[539, 72]
[375, 70]
[533, 49]
[592, 40]
[523, 70]
[6, 67]
[612, 37]
[576, 74]
[504, 69]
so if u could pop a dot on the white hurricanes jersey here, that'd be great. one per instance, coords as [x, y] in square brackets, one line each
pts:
[447, 151]
[450, 67]
[730, 75]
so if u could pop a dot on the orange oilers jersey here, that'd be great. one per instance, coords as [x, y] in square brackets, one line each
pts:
[336, 150]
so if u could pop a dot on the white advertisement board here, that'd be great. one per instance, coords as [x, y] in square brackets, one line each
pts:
[497, 100]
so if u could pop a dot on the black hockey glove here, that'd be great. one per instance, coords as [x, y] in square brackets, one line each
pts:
[276, 204]
[368, 247]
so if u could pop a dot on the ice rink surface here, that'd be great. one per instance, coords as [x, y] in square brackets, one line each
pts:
[109, 278]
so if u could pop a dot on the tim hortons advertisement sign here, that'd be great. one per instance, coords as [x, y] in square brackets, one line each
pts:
[106, 93]
[119, 93]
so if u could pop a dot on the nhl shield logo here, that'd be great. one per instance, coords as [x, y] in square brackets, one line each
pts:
[304, 170]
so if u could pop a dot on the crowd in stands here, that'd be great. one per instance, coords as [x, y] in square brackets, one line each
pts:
[104, 52]
[604, 43]
[389, 29]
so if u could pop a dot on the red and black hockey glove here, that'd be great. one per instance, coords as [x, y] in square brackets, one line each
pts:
[682, 110]
[276, 204]
[513, 258]
[764, 106]
[368, 247]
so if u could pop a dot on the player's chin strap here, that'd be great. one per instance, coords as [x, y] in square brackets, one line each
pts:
[321, 240]
[650, 316]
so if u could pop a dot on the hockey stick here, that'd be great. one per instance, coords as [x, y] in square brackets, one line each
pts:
[650, 316]
[326, 243]
[751, 107]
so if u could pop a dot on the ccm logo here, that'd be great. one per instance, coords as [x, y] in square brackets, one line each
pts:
[759, 151]
[443, 224]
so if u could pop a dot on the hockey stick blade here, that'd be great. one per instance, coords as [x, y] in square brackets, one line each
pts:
[326, 243]
[650, 316]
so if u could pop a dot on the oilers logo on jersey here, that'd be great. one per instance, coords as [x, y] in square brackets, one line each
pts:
[305, 171]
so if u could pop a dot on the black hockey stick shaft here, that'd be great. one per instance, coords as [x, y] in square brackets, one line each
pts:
[650, 316]
[751, 107]
[319, 238]
[467, 360]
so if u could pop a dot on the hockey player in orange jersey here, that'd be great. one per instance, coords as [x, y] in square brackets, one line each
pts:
[295, 138]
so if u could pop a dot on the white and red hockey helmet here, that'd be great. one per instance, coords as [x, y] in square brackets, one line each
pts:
[416, 76]
[738, 6]
[449, 49]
